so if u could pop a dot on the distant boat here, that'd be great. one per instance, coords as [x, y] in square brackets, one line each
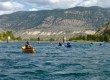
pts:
[60, 44]
[91, 44]
[68, 45]
[29, 50]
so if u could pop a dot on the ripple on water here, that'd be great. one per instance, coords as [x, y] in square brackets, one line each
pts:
[49, 62]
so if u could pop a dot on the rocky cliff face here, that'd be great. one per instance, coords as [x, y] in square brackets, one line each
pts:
[72, 21]
[104, 30]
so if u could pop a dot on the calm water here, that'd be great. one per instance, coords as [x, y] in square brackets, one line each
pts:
[50, 62]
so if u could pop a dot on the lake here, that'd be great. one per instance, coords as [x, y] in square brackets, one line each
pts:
[52, 62]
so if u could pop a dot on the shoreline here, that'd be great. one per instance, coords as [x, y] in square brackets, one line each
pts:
[78, 41]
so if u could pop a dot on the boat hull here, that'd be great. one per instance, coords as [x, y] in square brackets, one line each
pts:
[31, 50]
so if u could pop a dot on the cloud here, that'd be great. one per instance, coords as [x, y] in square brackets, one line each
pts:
[4, 0]
[101, 3]
[52, 4]
[10, 6]
[5, 12]
[33, 9]
[7, 6]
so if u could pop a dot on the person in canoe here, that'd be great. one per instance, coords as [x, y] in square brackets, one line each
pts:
[91, 44]
[27, 46]
[100, 44]
[59, 44]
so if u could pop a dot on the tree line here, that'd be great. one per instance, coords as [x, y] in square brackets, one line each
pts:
[9, 34]
[98, 38]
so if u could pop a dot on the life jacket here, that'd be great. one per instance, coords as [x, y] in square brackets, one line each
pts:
[68, 45]
[28, 46]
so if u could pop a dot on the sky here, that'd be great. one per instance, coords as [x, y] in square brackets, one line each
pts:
[9, 6]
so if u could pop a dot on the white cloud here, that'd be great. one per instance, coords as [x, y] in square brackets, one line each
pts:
[54, 1]
[5, 12]
[52, 4]
[89, 3]
[7, 6]
[33, 9]
[101, 3]
[11, 5]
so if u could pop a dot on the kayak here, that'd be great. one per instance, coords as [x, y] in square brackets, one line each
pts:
[91, 45]
[68, 46]
[30, 50]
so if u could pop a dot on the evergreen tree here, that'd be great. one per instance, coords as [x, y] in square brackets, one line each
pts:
[106, 38]
[19, 38]
[1, 36]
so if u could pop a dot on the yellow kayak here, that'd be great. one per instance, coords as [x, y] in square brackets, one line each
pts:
[30, 50]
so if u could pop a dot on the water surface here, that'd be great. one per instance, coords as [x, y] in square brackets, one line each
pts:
[52, 62]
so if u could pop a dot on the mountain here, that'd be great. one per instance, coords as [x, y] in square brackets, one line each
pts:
[104, 30]
[57, 22]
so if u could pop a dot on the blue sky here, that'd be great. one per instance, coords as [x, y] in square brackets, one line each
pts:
[9, 6]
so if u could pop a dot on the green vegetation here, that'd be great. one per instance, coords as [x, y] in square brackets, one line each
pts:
[35, 39]
[51, 39]
[9, 35]
[98, 38]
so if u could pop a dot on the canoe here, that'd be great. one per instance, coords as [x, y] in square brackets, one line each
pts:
[30, 50]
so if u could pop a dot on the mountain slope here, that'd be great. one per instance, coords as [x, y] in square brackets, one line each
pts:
[66, 20]
[104, 30]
